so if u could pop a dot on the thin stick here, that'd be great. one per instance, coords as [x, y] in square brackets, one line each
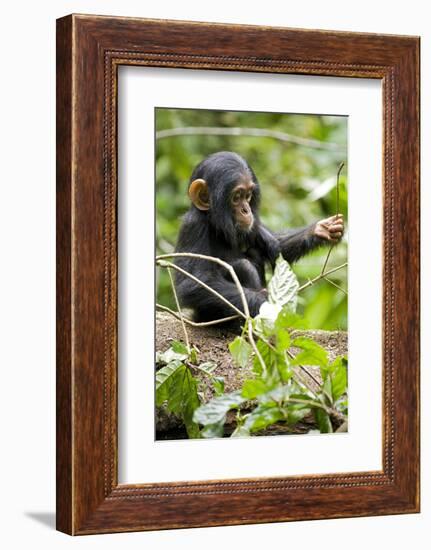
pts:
[292, 356]
[179, 310]
[204, 285]
[193, 323]
[335, 284]
[340, 167]
[229, 268]
[329, 410]
[321, 276]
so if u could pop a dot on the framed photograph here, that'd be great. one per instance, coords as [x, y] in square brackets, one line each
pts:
[237, 274]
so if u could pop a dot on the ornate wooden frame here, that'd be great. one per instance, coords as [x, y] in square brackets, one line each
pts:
[89, 51]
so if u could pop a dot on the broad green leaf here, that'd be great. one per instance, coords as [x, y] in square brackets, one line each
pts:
[264, 415]
[323, 421]
[283, 286]
[164, 377]
[175, 390]
[283, 367]
[279, 394]
[241, 431]
[283, 340]
[311, 354]
[296, 412]
[213, 430]
[241, 351]
[327, 390]
[288, 320]
[190, 403]
[183, 399]
[269, 357]
[252, 388]
[179, 347]
[208, 367]
[339, 361]
[170, 355]
[194, 356]
[218, 384]
[339, 381]
[215, 410]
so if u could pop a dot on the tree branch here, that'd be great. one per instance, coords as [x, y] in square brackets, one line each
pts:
[321, 276]
[193, 323]
[161, 261]
[253, 132]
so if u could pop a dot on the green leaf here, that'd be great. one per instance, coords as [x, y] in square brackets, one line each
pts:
[283, 367]
[263, 415]
[323, 421]
[241, 431]
[241, 351]
[164, 377]
[286, 319]
[175, 390]
[327, 389]
[283, 286]
[311, 354]
[179, 347]
[218, 384]
[190, 403]
[170, 355]
[208, 367]
[183, 398]
[339, 381]
[296, 412]
[252, 388]
[213, 430]
[268, 356]
[215, 410]
[279, 394]
[283, 340]
[194, 356]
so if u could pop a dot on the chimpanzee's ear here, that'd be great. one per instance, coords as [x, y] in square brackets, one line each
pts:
[199, 194]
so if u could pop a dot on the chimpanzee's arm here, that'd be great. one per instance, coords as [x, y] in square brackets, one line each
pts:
[268, 244]
[292, 244]
[295, 243]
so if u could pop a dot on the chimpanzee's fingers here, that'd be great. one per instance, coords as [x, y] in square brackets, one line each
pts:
[335, 236]
[335, 228]
[337, 218]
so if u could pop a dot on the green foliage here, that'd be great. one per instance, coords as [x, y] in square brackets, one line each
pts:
[278, 395]
[311, 354]
[241, 351]
[283, 286]
[298, 188]
[176, 386]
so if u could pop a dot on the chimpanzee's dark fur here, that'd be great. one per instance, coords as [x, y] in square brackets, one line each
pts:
[214, 233]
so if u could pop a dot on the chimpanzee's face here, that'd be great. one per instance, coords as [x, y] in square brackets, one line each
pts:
[240, 199]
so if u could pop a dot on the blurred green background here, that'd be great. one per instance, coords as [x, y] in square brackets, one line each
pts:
[296, 165]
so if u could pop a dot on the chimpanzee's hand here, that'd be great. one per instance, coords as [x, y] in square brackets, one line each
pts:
[331, 229]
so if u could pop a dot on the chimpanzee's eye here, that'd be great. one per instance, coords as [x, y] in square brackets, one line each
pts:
[236, 197]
